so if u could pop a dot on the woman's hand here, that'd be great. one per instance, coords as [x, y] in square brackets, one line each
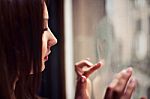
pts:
[82, 77]
[122, 86]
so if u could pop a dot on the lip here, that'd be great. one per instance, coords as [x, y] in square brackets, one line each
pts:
[46, 57]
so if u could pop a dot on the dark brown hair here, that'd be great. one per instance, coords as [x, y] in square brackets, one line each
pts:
[21, 24]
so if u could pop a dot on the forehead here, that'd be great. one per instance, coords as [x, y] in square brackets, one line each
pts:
[46, 16]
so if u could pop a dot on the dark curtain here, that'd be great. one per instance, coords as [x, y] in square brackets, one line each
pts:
[53, 79]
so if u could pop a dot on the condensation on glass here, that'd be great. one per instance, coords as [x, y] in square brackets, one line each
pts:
[117, 31]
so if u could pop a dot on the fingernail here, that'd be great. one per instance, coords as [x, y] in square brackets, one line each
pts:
[101, 63]
[98, 64]
[129, 70]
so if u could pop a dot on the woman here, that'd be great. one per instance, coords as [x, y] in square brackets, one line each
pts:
[23, 29]
[25, 41]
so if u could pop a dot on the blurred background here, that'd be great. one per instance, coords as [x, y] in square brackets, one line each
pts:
[117, 31]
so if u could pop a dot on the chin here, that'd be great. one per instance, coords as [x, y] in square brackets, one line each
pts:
[43, 67]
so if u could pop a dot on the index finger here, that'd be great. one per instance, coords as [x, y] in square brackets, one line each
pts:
[92, 69]
[83, 63]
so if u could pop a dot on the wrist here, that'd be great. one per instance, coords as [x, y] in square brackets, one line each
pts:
[81, 88]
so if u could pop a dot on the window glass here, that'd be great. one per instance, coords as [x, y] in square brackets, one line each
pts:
[117, 31]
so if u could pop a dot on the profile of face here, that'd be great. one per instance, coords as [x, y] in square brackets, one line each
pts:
[48, 39]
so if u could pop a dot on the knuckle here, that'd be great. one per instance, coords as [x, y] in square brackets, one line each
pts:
[85, 62]
[110, 87]
[115, 92]
[130, 87]
[76, 64]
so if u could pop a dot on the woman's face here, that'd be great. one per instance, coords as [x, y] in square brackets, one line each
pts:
[48, 39]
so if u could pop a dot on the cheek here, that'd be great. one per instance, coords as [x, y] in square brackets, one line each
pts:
[43, 51]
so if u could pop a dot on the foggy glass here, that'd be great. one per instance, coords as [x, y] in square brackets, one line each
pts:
[118, 32]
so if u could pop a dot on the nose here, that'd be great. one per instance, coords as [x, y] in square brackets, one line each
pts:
[52, 38]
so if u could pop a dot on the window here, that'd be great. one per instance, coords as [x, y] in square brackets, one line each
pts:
[112, 30]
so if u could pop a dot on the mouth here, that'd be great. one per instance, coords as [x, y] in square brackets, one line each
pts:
[46, 57]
